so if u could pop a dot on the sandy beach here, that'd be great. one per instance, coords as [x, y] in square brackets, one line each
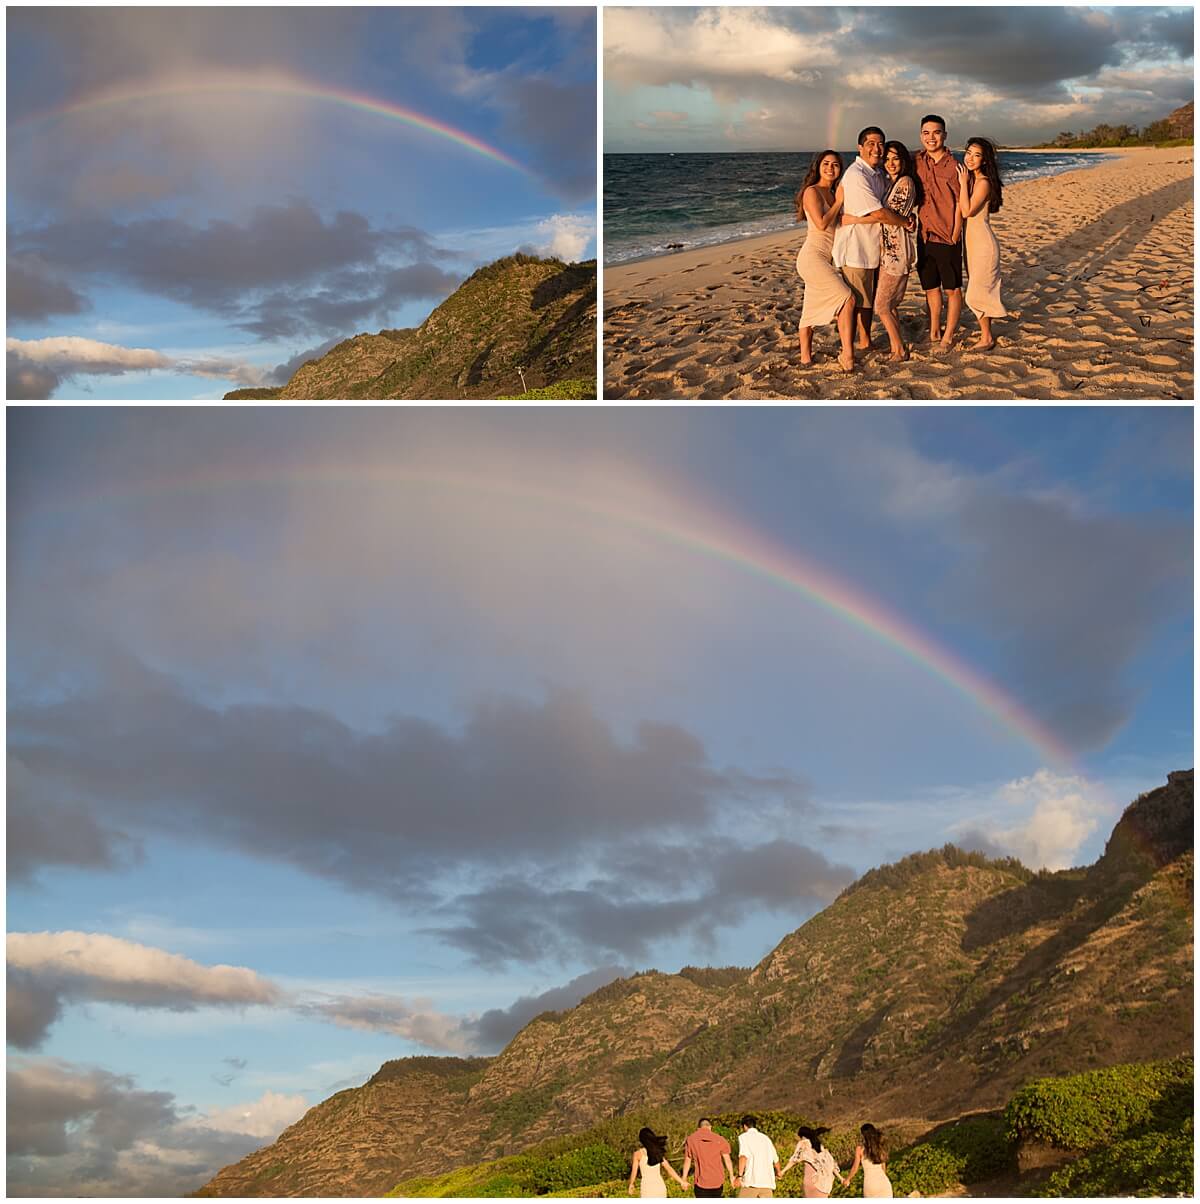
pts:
[1097, 276]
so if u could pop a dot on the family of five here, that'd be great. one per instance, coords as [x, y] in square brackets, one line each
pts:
[870, 224]
[758, 1166]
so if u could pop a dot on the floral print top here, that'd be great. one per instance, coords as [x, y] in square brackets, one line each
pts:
[899, 254]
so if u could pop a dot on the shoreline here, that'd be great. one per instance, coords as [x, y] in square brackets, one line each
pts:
[800, 225]
[1100, 306]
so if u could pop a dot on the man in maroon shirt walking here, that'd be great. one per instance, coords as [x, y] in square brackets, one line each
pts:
[939, 247]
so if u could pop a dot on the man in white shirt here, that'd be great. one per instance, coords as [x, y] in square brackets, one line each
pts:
[758, 1163]
[857, 245]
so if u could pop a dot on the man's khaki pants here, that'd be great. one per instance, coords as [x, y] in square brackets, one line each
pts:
[751, 1193]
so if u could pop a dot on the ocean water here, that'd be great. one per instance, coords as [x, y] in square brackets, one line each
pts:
[698, 200]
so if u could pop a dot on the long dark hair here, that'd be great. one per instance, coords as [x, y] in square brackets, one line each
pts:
[874, 1147]
[989, 169]
[813, 1135]
[656, 1147]
[814, 176]
[906, 168]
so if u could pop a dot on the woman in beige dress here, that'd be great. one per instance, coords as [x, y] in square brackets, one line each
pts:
[979, 194]
[650, 1158]
[825, 292]
[872, 1157]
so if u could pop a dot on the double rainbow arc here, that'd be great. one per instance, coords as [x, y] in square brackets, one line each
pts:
[271, 85]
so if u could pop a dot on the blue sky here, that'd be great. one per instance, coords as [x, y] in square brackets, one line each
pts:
[802, 78]
[339, 736]
[191, 235]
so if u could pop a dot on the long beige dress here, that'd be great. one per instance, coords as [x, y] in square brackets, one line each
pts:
[652, 1185]
[875, 1180]
[825, 292]
[983, 268]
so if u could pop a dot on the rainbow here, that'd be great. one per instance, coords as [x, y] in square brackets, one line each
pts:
[684, 523]
[269, 84]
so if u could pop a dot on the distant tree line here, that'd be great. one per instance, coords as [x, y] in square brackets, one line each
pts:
[1175, 129]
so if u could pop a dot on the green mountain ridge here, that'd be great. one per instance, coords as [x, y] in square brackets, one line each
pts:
[931, 988]
[518, 325]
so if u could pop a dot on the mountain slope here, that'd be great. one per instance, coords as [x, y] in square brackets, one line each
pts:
[518, 324]
[928, 988]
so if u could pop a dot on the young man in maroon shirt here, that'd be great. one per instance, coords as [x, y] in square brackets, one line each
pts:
[939, 247]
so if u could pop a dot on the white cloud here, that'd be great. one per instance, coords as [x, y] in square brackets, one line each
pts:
[40, 365]
[68, 355]
[265, 1117]
[1055, 814]
[642, 46]
[565, 235]
[47, 969]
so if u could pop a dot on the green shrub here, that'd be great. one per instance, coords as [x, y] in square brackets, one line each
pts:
[1155, 1164]
[928, 1169]
[563, 390]
[578, 1168]
[980, 1146]
[500, 1186]
[1088, 1110]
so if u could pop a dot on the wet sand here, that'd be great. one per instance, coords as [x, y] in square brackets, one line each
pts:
[1097, 276]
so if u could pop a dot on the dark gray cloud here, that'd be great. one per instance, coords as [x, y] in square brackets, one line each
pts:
[226, 267]
[1071, 598]
[520, 777]
[711, 884]
[282, 373]
[34, 293]
[28, 381]
[556, 122]
[532, 784]
[347, 299]
[44, 830]
[1024, 46]
[32, 1008]
[495, 1028]
[72, 1131]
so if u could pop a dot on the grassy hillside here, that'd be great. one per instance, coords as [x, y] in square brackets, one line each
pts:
[931, 988]
[1123, 1131]
[522, 327]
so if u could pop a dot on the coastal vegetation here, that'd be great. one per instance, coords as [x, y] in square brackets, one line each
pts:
[1128, 1131]
[1173, 130]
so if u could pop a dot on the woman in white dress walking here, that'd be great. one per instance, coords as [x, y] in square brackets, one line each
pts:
[872, 1157]
[649, 1159]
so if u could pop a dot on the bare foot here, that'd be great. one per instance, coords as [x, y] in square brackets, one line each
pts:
[941, 348]
[984, 346]
[935, 336]
[846, 361]
[862, 348]
[899, 356]
[806, 363]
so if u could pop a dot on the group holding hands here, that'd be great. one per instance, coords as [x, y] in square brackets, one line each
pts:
[888, 212]
[758, 1162]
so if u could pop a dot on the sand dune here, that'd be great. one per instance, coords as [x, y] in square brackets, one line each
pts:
[1097, 269]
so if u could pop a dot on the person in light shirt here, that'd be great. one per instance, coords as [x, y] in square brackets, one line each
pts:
[857, 245]
[758, 1162]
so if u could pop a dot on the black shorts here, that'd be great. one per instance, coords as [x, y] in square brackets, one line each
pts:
[712, 1192]
[939, 264]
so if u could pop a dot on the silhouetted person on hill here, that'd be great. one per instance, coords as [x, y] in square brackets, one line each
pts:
[710, 1152]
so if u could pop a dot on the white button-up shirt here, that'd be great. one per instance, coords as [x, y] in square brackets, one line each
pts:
[863, 190]
[759, 1151]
